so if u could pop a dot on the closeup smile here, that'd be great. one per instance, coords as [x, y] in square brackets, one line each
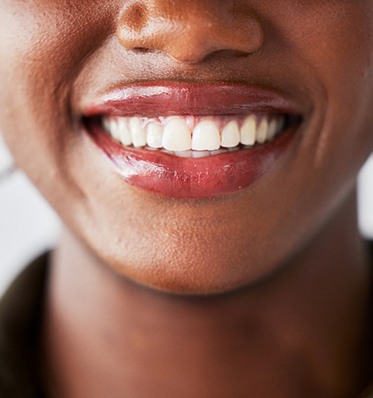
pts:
[197, 141]
[193, 136]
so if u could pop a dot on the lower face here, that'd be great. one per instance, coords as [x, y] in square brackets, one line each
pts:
[181, 195]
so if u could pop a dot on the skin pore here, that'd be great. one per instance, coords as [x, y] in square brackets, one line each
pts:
[261, 293]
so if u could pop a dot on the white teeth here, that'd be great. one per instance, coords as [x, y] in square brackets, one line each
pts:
[196, 136]
[200, 154]
[124, 136]
[138, 133]
[184, 154]
[154, 135]
[177, 136]
[106, 122]
[230, 136]
[272, 129]
[248, 131]
[112, 126]
[261, 134]
[206, 136]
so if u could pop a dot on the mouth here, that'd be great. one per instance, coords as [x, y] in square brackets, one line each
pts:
[195, 141]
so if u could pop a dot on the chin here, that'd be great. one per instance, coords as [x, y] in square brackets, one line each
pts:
[198, 274]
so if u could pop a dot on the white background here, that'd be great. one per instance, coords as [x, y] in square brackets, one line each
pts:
[28, 226]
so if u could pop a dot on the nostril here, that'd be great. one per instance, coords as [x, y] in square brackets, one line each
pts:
[141, 50]
[228, 52]
[240, 54]
[191, 33]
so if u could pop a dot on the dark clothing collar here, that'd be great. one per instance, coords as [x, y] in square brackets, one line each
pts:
[20, 317]
[21, 310]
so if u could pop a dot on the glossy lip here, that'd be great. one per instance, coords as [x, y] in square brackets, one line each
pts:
[190, 178]
[154, 100]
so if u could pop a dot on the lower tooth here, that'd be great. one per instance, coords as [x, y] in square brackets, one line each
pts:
[200, 154]
[217, 152]
[184, 154]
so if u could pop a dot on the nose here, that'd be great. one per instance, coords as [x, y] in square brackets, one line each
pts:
[190, 30]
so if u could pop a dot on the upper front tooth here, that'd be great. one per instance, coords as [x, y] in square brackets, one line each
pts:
[261, 136]
[154, 135]
[206, 136]
[230, 136]
[248, 131]
[177, 135]
[138, 132]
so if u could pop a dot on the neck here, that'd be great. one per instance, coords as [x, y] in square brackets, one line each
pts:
[300, 333]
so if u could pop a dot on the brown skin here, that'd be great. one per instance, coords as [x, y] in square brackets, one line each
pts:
[289, 245]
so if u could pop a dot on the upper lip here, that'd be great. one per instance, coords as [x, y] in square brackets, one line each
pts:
[184, 98]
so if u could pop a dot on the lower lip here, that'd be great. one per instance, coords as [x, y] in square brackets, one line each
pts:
[191, 178]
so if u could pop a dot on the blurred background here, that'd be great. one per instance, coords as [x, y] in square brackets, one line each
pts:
[28, 226]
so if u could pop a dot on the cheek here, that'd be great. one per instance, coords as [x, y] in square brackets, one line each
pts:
[43, 47]
[338, 48]
[349, 84]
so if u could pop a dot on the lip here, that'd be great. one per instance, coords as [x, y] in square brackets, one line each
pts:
[191, 98]
[159, 172]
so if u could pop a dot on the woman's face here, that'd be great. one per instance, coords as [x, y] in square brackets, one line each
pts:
[199, 224]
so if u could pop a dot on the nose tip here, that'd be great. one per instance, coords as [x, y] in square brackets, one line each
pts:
[189, 31]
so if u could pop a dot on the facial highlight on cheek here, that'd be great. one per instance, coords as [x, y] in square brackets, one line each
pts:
[46, 48]
[120, 111]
